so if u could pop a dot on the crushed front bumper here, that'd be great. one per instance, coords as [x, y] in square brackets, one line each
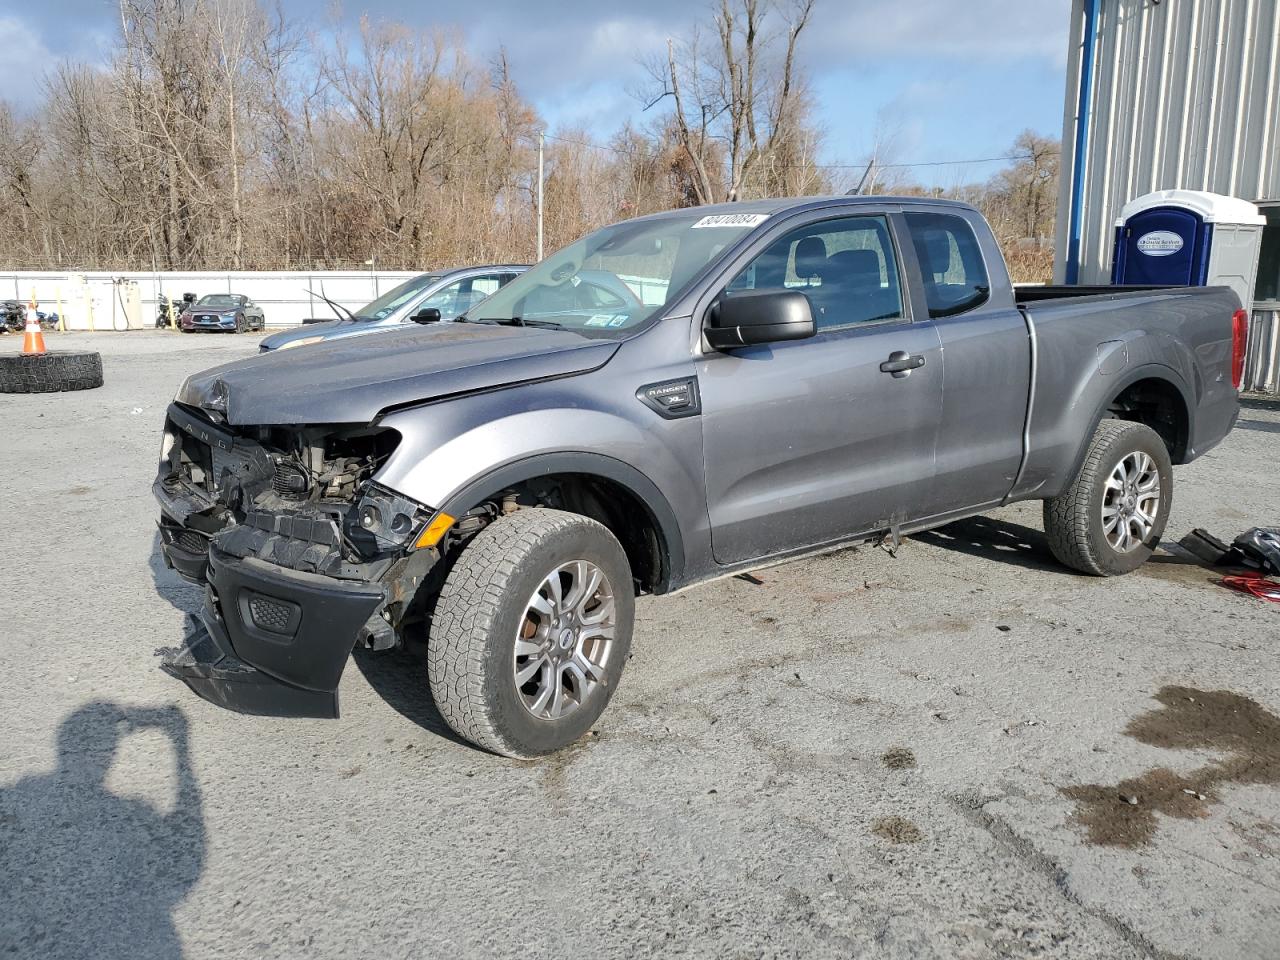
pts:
[272, 641]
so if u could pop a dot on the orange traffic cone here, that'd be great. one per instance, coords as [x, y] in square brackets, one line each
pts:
[32, 336]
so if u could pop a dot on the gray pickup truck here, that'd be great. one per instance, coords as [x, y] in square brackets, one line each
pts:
[789, 376]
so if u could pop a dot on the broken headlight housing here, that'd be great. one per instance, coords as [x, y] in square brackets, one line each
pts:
[384, 519]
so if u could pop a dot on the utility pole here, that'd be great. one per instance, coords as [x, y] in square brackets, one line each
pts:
[541, 141]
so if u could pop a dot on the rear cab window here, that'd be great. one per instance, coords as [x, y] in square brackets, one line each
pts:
[846, 267]
[951, 265]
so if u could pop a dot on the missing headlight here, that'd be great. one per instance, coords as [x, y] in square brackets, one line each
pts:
[383, 520]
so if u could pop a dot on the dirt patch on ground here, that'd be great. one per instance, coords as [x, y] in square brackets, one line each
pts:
[898, 758]
[897, 830]
[1173, 570]
[1124, 815]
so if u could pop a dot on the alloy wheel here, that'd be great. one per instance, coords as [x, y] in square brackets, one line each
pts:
[565, 639]
[1131, 502]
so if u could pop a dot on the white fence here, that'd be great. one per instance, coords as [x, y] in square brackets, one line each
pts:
[102, 300]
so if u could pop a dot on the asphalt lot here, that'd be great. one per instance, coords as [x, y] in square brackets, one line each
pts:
[858, 755]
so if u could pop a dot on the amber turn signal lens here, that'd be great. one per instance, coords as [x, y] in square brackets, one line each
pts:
[436, 529]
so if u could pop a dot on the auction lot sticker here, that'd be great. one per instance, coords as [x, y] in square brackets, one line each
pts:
[1160, 243]
[732, 220]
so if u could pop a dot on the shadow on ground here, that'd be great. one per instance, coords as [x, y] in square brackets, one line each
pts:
[86, 872]
[994, 539]
[1260, 426]
[400, 678]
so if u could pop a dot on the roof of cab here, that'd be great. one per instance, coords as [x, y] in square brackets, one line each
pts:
[798, 204]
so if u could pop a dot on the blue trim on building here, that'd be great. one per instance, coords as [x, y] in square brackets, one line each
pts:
[1084, 110]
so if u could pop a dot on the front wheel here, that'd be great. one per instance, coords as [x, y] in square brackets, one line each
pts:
[1111, 518]
[531, 631]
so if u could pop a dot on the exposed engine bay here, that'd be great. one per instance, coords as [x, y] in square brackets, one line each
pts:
[299, 498]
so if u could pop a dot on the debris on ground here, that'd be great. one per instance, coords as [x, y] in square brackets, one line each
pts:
[1254, 584]
[1258, 548]
[899, 758]
[897, 830]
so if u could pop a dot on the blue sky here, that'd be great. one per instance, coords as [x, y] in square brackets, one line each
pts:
[939, 80]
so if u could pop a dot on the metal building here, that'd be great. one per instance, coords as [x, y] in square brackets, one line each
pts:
[1165, 94]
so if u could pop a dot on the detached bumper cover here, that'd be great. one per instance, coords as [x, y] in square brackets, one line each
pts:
[205, 665]
[278, 639]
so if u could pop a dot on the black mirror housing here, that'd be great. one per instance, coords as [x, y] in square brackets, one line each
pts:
[747, 317]
[426, 315]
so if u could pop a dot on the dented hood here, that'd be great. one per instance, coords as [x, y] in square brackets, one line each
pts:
[353, 379]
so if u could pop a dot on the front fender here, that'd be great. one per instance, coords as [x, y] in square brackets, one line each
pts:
[454, 454]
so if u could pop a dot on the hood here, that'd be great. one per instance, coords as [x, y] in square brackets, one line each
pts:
[329, 328]
[353, 379]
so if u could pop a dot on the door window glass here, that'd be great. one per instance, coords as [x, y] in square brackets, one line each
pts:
[846, 267]
[955, 278]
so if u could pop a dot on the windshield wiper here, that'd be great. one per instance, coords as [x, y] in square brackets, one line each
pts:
[522, 322]
[336, 306]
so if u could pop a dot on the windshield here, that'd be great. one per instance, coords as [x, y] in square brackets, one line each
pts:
[397, 297]
[615, 279]
[220, 300]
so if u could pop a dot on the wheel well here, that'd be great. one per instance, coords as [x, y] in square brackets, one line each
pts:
[606, 501]
[1158, 404]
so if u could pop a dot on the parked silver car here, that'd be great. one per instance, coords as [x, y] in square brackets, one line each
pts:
[451, 292]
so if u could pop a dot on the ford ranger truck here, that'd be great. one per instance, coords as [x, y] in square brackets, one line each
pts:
[785, 376]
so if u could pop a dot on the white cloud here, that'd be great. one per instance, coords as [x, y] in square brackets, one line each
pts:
[26, 61]
[972, 30]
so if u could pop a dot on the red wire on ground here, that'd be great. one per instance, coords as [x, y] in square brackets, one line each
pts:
[1255, 584]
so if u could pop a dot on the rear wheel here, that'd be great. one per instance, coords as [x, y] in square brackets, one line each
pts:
[531, 631]
[1111, 518]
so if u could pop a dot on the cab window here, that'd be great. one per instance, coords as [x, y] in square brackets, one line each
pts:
[846, 267]
[460, 296]
[955, 278]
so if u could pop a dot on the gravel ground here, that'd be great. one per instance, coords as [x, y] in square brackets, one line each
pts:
[923, 756]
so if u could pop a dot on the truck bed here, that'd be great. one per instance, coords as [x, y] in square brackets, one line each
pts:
[1062, 291]
[1179, 335]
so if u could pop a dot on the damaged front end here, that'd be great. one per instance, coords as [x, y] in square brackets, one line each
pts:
[303, 556]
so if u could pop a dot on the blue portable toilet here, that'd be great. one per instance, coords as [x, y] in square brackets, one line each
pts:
[1188, 238]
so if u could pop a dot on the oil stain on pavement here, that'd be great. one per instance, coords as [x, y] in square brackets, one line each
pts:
[1124, 815]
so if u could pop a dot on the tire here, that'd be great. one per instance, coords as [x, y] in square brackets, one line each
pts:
[1078, 533]
[488, 600]
[242, 325]
[52, 372]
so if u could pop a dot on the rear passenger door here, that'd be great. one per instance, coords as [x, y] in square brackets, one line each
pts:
[964, 288]
[813, 441]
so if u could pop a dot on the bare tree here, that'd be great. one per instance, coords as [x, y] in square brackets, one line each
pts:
[741, 102]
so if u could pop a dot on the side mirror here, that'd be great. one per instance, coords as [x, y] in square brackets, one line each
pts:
[748, 317]
[426, 315]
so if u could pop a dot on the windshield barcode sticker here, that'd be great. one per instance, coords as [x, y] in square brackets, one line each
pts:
[732, 220]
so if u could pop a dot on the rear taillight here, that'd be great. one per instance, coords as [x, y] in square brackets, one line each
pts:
[1239, 340]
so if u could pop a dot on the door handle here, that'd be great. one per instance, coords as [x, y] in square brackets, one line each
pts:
[901, 363]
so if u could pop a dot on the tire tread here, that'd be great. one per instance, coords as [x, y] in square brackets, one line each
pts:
[465, 613]
[1067, 517]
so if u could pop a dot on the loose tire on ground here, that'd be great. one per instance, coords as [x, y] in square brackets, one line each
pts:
[51, 372]
[485, 606]
[1076, 522]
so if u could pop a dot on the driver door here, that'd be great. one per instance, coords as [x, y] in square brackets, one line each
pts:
[810, 442]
